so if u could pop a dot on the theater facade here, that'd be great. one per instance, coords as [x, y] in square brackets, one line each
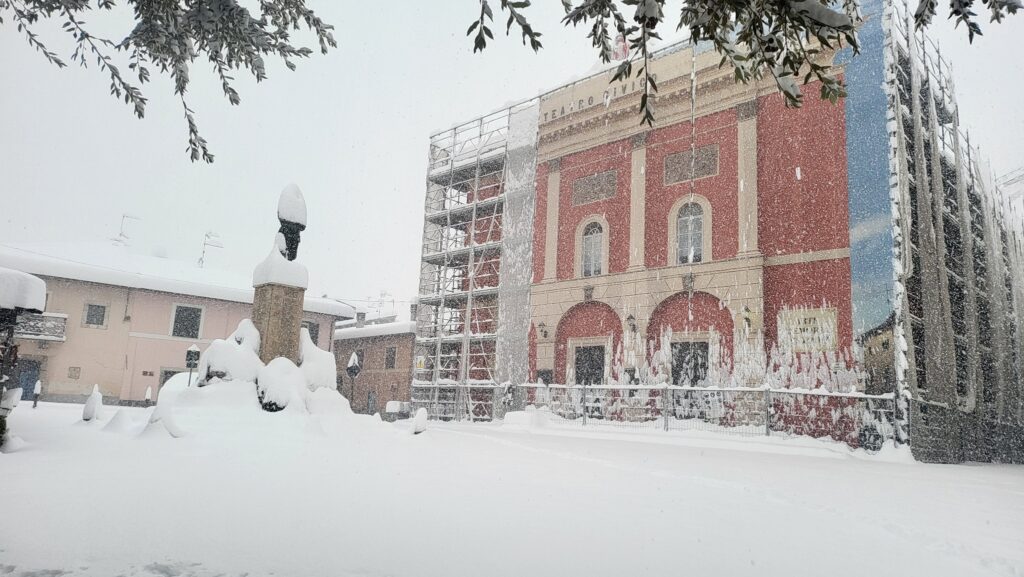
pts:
[736, 242]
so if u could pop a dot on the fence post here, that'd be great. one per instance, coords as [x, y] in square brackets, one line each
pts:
[767, 412]
[583, 403]
[665, 404]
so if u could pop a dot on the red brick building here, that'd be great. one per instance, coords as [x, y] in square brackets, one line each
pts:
[384, 349]
[850, 245]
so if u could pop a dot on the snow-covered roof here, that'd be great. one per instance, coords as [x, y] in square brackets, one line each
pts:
[379, 330]
[118, 266]
[19, 290]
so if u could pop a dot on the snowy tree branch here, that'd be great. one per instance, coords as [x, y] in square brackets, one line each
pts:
[783, 38]
[171, 34]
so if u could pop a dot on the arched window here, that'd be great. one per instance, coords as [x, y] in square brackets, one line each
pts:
[593, 240]
[690, 233]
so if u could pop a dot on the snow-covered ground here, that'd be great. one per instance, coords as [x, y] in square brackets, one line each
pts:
[290, 494]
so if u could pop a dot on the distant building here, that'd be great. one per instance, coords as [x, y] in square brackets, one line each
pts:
[563, 240]
[123, 321]
[384, 348]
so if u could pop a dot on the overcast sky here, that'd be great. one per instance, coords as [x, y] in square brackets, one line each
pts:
[350, 128]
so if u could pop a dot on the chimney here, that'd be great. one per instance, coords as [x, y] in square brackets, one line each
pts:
[412, 312]
[360, 319]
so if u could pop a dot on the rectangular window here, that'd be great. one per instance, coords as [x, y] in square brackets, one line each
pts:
[95, 315]
[678, 166]
[389, 358]
[187, 321]
[74, 372]
[314, 331]
[595, 187]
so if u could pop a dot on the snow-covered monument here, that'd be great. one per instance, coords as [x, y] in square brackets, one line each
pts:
[857, 246]
[274, 350]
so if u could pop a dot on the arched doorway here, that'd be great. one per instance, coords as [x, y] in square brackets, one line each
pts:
[702, 335]
[587, 337]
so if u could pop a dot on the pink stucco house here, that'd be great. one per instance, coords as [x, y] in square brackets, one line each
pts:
[123, 321]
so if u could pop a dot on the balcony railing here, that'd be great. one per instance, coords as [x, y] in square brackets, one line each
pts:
[42, 327]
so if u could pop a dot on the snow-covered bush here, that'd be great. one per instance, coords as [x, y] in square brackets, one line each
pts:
[317, 365]
[234, 358]
[247, 335]
[279, 384]
[93, 405]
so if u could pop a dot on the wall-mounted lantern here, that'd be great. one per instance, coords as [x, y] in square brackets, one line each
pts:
[542, 330]
[631, 323]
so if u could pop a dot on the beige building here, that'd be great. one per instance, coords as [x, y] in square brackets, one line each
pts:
[123, 321]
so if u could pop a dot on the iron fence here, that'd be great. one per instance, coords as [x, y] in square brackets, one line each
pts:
[856, 419]
[859, 420]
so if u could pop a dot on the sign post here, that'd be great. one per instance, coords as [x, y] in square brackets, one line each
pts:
[191, 361]
[353, 372]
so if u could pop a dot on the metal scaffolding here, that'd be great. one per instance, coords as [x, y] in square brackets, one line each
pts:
[959, 257]
[460, 267]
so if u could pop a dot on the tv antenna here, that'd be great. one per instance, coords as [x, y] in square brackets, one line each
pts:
[122, 237]
[210, 239]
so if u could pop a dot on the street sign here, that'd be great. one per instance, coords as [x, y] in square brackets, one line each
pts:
[192, 357]
[353, 366]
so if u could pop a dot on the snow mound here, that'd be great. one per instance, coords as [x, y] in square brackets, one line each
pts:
[21, 290]
[276, 269]
[530, 418]
[13, 444]
[419, 422]
[325, 401]
[318, 366]
[234, 358]
[232, 409]
[121, 422]
[292, 205]
[93, 408]
[281, 384]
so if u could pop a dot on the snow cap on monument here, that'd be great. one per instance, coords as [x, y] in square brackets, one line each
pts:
[292, 206]
[276, 269]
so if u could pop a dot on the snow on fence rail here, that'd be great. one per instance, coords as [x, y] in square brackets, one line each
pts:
[856, 419]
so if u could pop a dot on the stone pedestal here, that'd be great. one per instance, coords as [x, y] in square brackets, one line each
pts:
[277, 314]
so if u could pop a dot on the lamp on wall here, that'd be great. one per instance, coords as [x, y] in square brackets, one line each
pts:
[542, 329]
[631, 323]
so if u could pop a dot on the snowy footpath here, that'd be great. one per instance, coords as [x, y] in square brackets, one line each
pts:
[287, 495]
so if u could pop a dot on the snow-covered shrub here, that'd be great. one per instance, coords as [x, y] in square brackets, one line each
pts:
[279, 384]
[234, 358]
[93, 405]
[317, 365]
[247, 335]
